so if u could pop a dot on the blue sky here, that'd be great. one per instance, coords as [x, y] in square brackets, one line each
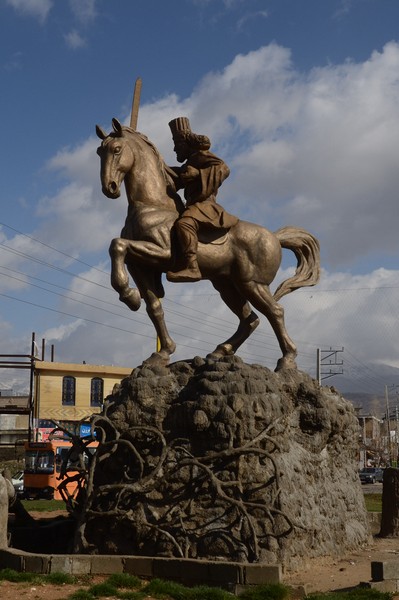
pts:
[300, 97]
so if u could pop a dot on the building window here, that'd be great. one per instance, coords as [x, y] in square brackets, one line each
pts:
[96, 391]
[68, 391]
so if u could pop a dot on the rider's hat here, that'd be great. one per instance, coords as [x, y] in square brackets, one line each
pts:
[179, 126]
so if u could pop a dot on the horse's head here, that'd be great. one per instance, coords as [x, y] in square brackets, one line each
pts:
[116, 158]
[128, 155]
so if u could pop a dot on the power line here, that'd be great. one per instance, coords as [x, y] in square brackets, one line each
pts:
[51, 266]
[82, 262]
[257, 340]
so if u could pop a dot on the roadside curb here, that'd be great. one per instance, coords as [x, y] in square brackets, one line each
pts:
[234, 577]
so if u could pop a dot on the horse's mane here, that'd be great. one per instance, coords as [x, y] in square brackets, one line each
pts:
[161, 163]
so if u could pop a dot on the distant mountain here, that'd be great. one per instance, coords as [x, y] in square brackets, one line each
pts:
[365, 385]
[368, 404]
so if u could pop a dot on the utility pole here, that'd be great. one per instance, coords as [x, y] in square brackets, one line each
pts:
[328, 358]
[392, 459]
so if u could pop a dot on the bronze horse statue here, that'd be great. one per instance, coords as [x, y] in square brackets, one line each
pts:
[240, 265]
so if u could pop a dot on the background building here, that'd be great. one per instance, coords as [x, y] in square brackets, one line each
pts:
[69, 393]
[14, 419]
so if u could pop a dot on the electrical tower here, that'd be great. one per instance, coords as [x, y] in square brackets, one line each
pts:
[326, 360]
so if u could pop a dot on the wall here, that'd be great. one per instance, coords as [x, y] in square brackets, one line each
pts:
[48, 388]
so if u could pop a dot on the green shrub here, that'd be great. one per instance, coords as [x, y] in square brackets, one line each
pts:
[17, 577]
[203, 592]
[60, 578]
[361, 593]
[103, 589]
[130, 595]
[170, 589]
[81, 595]
[124, 580]
[163, 589]
[272, 591]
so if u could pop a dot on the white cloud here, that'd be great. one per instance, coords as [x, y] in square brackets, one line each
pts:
[357, 312]
[33, 8]
[79, 163]
[327, 137]
[343, 9]
[74, 40]
[250, 16]
[316, 150]
[79, 213]
[84, 10]
[61, 333]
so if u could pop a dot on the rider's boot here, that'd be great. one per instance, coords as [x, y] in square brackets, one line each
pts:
[190, 273]
[188, 241]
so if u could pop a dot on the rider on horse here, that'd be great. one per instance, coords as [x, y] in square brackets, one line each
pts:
[200, 177]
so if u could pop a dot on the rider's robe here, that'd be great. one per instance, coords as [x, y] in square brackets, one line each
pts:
[200, 193]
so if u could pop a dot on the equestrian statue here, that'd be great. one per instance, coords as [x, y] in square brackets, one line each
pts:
[195, 240]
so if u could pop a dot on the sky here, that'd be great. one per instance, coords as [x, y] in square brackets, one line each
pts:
[301, 100]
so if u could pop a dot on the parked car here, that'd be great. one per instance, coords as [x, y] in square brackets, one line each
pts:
[371, 475]
[18, 483]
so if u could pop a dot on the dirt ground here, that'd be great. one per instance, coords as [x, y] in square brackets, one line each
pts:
[321, 575]
[346, 572]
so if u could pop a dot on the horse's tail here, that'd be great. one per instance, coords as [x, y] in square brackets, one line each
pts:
[307, 251]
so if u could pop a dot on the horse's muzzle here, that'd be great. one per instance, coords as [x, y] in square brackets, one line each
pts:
[112, 190]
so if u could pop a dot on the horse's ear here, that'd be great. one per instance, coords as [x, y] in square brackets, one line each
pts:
[100, 132]
[117, 126]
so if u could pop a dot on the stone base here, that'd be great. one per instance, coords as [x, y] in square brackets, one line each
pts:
[221, 460]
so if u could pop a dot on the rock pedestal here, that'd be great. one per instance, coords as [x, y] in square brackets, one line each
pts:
[224, 461]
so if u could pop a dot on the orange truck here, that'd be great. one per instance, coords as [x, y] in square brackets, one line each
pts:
[42, 472]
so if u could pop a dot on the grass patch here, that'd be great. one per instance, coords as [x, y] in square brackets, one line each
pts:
[164, 589]
[81, 595]
[22, 577]
[356, 594]
[118, 585]
[273, 591]
[99, 590]
[203, 592]
[60, 579]
[17, 577]
[124, 580]
[170, 589]
[43, 505]
[373, 502]
[130, 595]
[129, 587]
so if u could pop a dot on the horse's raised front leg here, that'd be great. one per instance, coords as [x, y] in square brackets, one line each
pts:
[136, 252]
[119, 275]
[240, 307]
[260, 297]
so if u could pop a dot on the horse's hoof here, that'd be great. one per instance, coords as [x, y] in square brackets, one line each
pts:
[220, 352]
[285, 363]
[157, 358]
[214, 356]
[131, 298]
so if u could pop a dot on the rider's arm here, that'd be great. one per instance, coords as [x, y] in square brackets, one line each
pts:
[175, 174]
